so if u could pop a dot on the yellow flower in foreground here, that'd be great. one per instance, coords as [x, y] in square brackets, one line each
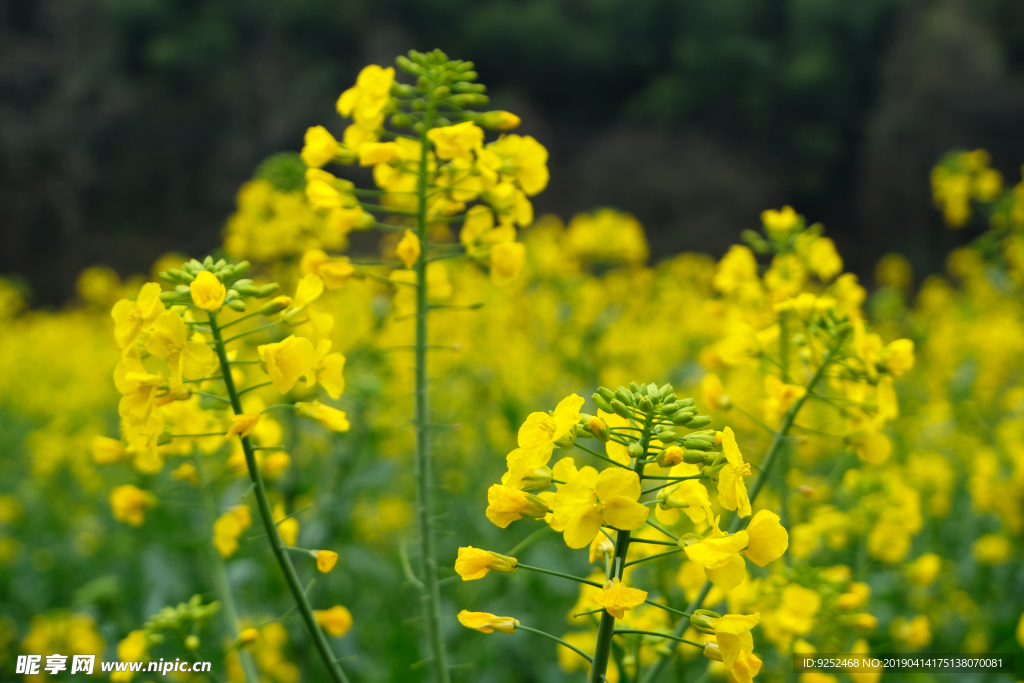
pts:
[719, 554]
[408, 248]
[474, 563]
[242, 424]
[129, 504]
[207, 291]
[320, 146]
[732, 492]
[591, 500]
[617, 598]
[507, 260]
[541, 432]
[325, 560]
[506, 505]
[486, 622]
[329, 417]
[287, 361]
[732, 632]
[768, 539]
[456, 142]
[336, 621]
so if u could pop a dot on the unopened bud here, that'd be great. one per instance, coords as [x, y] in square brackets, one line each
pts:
[536, 507]
[646, 404]
[267, 290]
[667, 436]
[698, 444]
[683, 417]
[671, 456]
[620, 409]
[699, 421]
[693, 457]
[602, 403]
[624, 396]
[498, 120]
[168, 297]
[276, 305]
[700, 622]
[469, 100]
[635, 450]
[236, 305]
[670, 398]
[599, 428]
[192, 641]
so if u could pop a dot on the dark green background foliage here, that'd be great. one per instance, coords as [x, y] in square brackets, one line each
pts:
[126, 126]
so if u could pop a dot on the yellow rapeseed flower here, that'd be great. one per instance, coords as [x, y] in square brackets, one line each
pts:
[207, 291]
[474, 563]
[320, 146]
[719, 555]
[732, 492]
[592, 500]
[336, 621]
[408, 248]
[541, 432]
[329, 417]
[325, 560]
[242, 424]
[507, 260]
[457, 141]
[288, 360]
[506, 505]
[617, 598]
[129, 503]
[486, 622]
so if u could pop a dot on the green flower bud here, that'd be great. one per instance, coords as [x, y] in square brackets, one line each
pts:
[699, 421]
[670, 457]
[236, 305]
[168, 297]
[459, 86]
[620, 409]
[683, 417]
[441, 92]
[625, 396]
[693, 457]
[267, 290]
[669, 399]
[166, 276]
[701, 624]
[686, 402]
[667, 437]
[646, 405]
[538, 480]
[698, 443]
[634, 387]
[406, 65]
[599, 428]
[606, 393]
[276, 305]
[469, 100]
[602, 403]
[192, 641]
[635, 450]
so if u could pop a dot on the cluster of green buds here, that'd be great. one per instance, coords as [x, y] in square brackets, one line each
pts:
[184, 620]
[229, 275]
[448, 82]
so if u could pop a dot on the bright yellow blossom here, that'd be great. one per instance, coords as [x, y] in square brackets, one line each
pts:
[320, 146]
[591, 500]
[617, 598]
[506, 505]
[325, 560]
[329, 417]
[732, 492]
[507, 260]
[335, 621]
[132, 317]
[719, 555]
[486, 622]
[457, 141]
[207, 291]
[242, 424]
[474, 563]
[767, 540]
[288, 360]
[541, 432]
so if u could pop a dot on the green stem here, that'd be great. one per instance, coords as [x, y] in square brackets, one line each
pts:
[220, 579]
[558, 640]
[660, 635]
[598, 455]
[605, 631]
[787, 421]
[290, 575]
[653, 557]
[431, 593]
[558, 574]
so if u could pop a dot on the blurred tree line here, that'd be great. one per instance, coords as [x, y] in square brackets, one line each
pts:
[127, 126]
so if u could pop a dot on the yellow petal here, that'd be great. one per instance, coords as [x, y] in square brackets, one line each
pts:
[617, 481]
[624, 513]
[728, 575]
[582, 526]
[768, 538]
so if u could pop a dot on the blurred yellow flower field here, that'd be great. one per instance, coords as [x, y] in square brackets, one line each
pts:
[298, 459]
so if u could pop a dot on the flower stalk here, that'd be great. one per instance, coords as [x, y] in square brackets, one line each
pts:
[280, 551]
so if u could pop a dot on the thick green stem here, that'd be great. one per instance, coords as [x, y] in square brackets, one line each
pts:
[291, 577]
[606, 629]
[430, 593]
[766, 465]
[220, 580]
